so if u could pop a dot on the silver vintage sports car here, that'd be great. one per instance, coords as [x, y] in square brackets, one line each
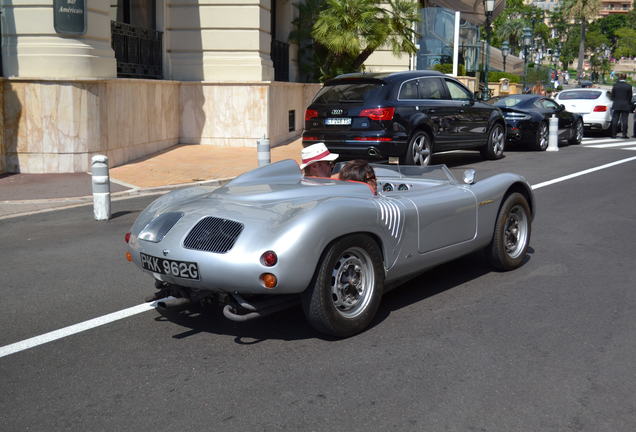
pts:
[271, 238]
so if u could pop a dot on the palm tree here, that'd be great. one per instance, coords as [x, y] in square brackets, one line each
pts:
[512, 31]
[351, 30]
[581, 10]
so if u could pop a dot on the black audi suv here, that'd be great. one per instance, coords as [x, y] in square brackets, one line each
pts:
[409, 115]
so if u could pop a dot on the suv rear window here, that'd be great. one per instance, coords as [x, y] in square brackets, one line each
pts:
[579, 95]
[346, 93]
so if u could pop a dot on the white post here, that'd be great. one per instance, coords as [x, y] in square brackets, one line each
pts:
[101, 187]
[456, 45]
[553, 139]
[263, 151]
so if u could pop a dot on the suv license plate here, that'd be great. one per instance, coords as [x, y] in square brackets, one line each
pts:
[338, 121]
[182, 269]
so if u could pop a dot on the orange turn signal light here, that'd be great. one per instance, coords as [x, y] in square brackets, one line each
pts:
[129, 256]
[269, 280]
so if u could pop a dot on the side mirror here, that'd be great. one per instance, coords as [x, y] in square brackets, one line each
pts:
[469, 176]
[561, 108]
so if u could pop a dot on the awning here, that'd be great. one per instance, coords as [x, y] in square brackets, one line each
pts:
[514, 64]
[471, 10]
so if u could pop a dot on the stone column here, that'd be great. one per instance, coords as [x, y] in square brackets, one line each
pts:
[218, 40]
[32, 49]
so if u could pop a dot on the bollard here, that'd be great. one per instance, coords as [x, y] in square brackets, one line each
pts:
[263, 151]
[553, 139]
[101, 187]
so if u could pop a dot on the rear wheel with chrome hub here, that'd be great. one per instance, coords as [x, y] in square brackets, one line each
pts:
[347, 288]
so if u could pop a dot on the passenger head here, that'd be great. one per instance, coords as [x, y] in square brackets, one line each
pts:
[317, 160]
[359, 170]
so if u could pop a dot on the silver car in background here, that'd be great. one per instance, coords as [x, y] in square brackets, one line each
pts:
[594, 104]
[272, 238]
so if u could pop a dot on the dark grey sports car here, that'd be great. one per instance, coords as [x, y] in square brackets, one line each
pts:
[528, 118]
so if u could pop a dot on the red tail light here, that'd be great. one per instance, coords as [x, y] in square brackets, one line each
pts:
[378, 113]
[309, 114]
[269, 258]
[127, 237]
[372, 139]
[310, 138]
[600, 108]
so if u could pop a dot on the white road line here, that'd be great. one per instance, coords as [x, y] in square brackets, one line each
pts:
[75, 328]
[624, 143]
[597, 140]
[125, 313]
[630, 148]
[580, 173]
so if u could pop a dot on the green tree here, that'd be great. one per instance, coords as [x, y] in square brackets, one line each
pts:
[625, 42]
[581, 10]
[344, 33]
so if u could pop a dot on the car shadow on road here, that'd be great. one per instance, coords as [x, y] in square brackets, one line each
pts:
[290, 324]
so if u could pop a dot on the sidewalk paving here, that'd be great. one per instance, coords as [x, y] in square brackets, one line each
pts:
[175, 167]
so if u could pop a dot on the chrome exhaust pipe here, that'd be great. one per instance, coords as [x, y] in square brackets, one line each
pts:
[372, 152]
[172, 302]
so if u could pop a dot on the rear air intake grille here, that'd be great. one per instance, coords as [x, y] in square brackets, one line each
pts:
[213, 235]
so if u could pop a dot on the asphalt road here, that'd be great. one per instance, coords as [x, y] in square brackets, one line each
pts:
[547, 347]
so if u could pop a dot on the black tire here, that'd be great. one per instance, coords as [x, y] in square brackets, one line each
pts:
[511, 238]
[541, 139]
[334, 309]
[419, 150]
[578, 133]
[494, 148]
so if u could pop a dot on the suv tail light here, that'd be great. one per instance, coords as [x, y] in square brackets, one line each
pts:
[378, 113]
[309, 114]
[600, 108]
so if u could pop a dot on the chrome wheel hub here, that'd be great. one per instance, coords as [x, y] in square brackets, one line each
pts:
[497, 139]
[421, 151]
[516, 232]
[543, 136]
[579, 131]
[352, 281]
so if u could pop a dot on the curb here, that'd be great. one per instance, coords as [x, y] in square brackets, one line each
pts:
[133, 192]
[117, 196]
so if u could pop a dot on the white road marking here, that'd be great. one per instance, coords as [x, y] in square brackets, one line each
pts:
[589, 141]
[580, 173]
[630, 148]
[75, 328]
[621, 144]
[125, 313]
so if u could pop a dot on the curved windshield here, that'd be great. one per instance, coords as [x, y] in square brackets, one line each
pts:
[510, 101]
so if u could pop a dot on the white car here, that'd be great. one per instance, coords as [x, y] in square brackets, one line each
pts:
[594, 104]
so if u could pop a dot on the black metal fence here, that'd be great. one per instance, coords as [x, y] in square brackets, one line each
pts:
[137, 50]
[280, 58]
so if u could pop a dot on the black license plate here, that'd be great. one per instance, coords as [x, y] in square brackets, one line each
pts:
[182, 269]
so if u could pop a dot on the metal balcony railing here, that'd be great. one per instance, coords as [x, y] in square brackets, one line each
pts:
[138, 51]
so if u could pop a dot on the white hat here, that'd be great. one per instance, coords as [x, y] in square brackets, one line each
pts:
[316, 153]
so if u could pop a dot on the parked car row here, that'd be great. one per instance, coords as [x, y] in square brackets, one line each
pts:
[412, 115]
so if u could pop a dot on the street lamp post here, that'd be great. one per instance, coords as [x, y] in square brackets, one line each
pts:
[489, 7]
[527, 41]
[505, 50]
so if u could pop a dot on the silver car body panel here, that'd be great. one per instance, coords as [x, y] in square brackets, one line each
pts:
[433, 220]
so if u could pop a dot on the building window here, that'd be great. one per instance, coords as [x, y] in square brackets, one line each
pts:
[136, 41]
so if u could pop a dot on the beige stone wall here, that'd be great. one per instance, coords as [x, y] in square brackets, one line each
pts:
[226, 114]
[218, 40]
[385, 61]
[32, 49]
[57, 126]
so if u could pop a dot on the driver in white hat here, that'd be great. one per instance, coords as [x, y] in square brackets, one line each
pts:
[317, 160]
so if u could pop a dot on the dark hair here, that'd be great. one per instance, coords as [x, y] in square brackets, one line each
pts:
[358, 170]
